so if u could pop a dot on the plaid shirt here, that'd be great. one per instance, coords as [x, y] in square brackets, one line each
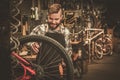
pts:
[43, 28]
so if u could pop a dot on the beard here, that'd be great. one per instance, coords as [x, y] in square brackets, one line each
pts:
[53, 26]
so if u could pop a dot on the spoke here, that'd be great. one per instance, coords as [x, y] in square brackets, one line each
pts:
[53, 60]
[50, 76]
[55, 66]
[42, 50]
[55, 70]
[45, 55]
[51, 57]
[53, 76]
[78, 66]
[44, 47]
[53, 63]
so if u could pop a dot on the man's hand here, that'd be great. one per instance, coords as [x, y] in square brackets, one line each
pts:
[35, 47]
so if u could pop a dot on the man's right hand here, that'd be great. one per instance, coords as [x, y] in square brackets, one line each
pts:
[35, 47]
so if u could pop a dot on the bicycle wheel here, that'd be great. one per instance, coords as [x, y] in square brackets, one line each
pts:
[98, 50]
[107, 45]
[52, 60]
[77, 68]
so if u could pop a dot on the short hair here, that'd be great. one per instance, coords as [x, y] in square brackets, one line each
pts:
[54, 8]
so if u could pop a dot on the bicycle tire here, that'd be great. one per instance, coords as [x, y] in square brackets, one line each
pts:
[98, 51]
[107, 46]
[55, 45]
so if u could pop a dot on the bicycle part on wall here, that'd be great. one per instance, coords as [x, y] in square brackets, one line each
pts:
[69, 18]
[14, 22]
[73, 21]
[72, 17]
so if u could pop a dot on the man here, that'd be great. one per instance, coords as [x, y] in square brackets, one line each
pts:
[54, 24]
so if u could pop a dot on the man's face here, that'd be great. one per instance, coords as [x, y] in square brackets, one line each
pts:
[54, 19]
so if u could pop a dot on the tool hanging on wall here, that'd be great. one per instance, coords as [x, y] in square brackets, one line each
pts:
[35, 9]
[25, 26]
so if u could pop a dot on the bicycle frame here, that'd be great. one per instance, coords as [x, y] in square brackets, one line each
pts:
[90, 38]
[101, 31]
[26, 66]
